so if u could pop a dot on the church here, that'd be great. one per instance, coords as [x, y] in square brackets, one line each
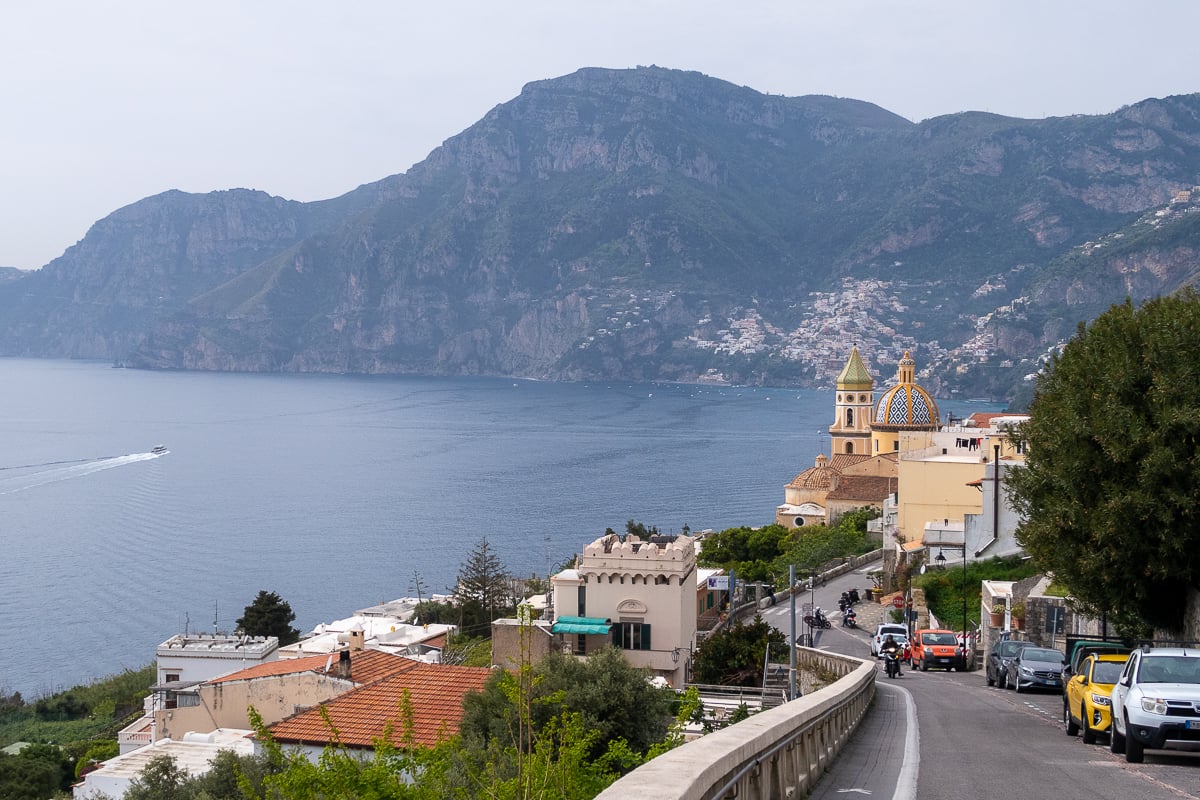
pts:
[862, 469]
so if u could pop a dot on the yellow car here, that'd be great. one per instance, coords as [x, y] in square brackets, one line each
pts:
[1087, 703]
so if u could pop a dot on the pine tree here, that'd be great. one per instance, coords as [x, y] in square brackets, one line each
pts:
[483, 583]
[269, 615]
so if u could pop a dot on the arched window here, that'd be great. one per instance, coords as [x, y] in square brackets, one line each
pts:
[849, 417]
[849, 447]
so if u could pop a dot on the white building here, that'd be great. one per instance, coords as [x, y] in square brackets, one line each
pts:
[640, 596]
[193, 754]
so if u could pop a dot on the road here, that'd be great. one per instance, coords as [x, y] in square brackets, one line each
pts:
[948, 736]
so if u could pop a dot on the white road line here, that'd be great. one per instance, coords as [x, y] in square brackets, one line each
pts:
[906, 783]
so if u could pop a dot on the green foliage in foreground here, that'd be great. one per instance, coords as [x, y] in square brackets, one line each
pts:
[1108, 491]
[944, 588]
[37, 772]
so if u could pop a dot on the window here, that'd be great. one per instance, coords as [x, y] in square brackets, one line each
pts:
[849, 447]
[631, 635]
[171, 677]
[849, 417]
[580, 644]
[581, 600]
[896, 445]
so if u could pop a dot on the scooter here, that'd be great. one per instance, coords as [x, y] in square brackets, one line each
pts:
[891, 663]
[849, 619]
[817, 620]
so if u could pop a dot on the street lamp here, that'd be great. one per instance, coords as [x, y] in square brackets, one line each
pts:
[941, 559]
[964, 596]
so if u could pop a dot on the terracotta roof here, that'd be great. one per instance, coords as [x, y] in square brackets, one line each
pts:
[842, 460]
[366, 666]
[983, 419]
[820, 476]
[361, 715]
[862, 487]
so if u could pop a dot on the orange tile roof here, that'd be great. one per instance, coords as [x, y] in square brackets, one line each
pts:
[361, 715]
[862, 487]
[366, 666]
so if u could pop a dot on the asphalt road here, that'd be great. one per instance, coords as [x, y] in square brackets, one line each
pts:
[948, 736]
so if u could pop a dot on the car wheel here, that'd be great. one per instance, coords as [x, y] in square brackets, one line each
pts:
[1072, 728]
[990, 680]
[924, 665]
[1017, 685]
[1002, 680]
[1089, 733]
[1134, 752]
[1116, 742]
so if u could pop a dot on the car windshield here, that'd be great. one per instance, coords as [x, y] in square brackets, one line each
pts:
[898, 633]
[1107, 671]
[1040, 654]
[1008, 649]
[939, 638]
[1170, 669]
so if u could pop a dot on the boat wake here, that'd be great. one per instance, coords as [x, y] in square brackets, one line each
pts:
[31, 476]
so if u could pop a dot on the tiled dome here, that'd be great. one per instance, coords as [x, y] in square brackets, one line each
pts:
[906, 406]
[819, 476]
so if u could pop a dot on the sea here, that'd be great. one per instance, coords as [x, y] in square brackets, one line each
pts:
[339, 492]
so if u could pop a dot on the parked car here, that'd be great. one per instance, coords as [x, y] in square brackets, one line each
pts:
[1001, 655]
[884, 630]
[1156, 702]
[1087, 697]
[1036, 668]
[1080, 648]
[936, 648]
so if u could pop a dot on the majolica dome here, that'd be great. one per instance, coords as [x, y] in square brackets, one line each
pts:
[906, 406]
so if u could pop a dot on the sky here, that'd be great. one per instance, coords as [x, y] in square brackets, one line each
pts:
[104, 102]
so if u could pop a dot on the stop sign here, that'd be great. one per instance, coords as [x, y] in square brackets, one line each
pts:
[898, 601]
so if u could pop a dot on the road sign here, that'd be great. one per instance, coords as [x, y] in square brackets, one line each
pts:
[898, 601]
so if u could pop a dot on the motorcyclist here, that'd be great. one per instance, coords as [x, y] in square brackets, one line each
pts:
[890, 645]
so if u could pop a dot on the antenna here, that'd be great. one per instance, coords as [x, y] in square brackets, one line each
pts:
[214, 617]
[187, 621]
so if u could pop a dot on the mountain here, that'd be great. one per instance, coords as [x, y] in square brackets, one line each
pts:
[653, 224]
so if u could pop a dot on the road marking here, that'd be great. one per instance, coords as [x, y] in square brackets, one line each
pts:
[906, 782]
[859, 791]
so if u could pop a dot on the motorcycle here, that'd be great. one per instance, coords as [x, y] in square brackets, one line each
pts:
[891, 663]
[849, 619]
[817, 620]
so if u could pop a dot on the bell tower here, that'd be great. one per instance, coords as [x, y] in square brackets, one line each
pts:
[851, 428]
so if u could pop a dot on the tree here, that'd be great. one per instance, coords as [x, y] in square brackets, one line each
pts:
[483, 589]
[734, 656]
[614, 699]
[269, 615]
[748, 552]
[1108, 491]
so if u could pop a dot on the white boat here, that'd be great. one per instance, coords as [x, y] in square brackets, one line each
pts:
[159, 449]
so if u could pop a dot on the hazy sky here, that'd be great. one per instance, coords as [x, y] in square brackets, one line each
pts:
[104, 103]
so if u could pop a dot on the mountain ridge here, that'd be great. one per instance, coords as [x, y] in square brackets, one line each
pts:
[646, 224]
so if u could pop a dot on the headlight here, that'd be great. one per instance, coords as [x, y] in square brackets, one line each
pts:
[1101, 700]
[1026, 671]
[1154, 705]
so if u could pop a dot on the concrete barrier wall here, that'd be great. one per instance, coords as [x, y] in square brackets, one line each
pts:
[776, 753]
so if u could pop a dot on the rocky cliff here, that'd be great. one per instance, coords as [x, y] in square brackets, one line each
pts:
[651, 224]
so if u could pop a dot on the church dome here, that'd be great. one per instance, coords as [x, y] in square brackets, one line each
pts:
[906, 406]
[821, 476]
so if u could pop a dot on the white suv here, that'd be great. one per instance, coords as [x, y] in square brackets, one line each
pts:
[893, 629]
[1156, 702]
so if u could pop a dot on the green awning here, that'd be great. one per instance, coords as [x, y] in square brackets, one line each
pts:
[585, 625]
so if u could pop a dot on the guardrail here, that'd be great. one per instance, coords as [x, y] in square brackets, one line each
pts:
[776, 753]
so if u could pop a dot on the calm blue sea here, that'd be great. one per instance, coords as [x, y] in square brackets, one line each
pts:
[336, 491]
